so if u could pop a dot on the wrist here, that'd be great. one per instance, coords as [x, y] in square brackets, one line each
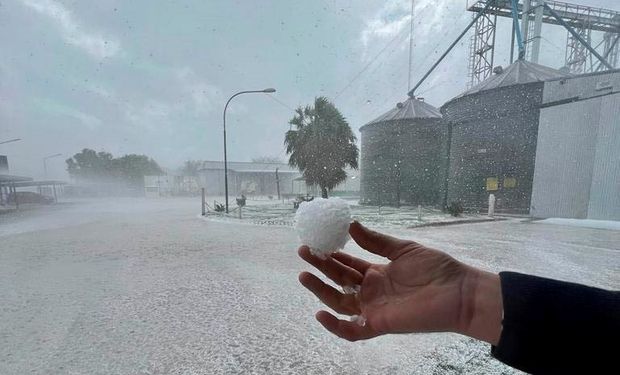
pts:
[482, 306]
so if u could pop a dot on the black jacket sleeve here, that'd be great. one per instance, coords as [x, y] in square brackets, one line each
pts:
[556, 327]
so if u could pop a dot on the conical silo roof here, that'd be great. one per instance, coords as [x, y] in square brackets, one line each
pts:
[519, 72]
[412, 108]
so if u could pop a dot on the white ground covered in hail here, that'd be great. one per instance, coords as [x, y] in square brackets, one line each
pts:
[584, 223]
[145, 287]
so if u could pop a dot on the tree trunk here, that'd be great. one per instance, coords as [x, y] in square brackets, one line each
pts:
[323, 192]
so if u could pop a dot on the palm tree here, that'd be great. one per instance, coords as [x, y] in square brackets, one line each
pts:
[321, 145]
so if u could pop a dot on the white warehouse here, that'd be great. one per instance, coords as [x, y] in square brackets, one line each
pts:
[577, 168]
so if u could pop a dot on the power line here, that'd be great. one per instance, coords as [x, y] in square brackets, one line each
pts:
[399, 34]
[434, 87]
[369, 64]
[380, 64]
[363, 70]
[552, 44]
[281, 103]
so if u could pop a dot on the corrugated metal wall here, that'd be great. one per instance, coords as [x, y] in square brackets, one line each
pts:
[423, 165]
[493, 136]
[564, 160]
[379, 164]
[605, 190]
[577, 171]
[402, 162]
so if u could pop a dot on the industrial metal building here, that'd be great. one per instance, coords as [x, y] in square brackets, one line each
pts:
[577, 173]
[403, 156]
[493, 128]
[248, 178]
[264, 179]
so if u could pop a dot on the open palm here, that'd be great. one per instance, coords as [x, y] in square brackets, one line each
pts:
[419, 290]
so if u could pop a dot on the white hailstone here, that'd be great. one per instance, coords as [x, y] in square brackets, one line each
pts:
[323, 225]
[355, 289]
[359, 319]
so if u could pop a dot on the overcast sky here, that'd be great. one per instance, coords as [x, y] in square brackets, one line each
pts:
[152, 77]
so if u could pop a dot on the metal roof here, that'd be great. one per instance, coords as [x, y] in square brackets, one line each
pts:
[39, 183]
[519, 72]
[264, 171]
[7, 179]
[411, 108]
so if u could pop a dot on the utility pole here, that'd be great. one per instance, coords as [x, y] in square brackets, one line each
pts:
[45, 163]
[278, 183]
[410, 46]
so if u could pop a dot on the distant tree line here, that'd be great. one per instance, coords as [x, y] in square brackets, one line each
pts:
[92, 165]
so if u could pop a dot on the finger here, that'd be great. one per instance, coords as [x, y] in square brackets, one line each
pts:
[338, 272]
[353, 262]
[375, 242]
[345, 304]
[347, 330]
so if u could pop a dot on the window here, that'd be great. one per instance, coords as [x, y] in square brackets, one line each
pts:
[153, 155]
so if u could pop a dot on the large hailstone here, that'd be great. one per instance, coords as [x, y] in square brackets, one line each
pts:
[323, 225]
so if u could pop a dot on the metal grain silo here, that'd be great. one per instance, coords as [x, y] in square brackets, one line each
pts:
[493, 129]
[403, 156]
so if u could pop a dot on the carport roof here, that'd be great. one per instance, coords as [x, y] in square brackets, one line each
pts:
[39, 183]
[10, 179]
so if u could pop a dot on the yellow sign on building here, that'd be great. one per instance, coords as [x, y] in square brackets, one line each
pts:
[510, 182]
[492, 183]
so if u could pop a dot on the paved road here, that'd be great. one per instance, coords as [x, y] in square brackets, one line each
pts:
[146, 287]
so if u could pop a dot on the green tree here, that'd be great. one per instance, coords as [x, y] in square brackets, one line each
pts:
[321, 145]
[132, 168]
[89, 164]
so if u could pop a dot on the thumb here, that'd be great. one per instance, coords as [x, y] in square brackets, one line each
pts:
[375, 242]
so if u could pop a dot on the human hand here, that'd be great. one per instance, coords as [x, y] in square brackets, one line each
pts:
[419, 290]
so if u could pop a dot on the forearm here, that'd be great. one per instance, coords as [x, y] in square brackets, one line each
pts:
[541, 325]
[552, 326]
[482, 306]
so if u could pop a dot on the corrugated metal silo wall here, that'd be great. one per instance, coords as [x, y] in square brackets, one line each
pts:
[379, 177]
[423, 164]
[402, 162]
[493, 135]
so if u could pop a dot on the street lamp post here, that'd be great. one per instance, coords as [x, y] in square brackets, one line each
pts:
[45, 162]
[265, 91]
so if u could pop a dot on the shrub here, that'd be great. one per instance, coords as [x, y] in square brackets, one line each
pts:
[455, 209]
